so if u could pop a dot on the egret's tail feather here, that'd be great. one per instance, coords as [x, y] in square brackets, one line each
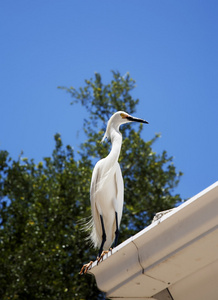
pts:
[84, 223]
[87, 225]
[93, 236]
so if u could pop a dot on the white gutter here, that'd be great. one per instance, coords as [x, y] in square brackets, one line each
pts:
[165, 252]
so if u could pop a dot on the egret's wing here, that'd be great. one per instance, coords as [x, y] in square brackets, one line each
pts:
[96, 226]
[119, 192]
[93, 187]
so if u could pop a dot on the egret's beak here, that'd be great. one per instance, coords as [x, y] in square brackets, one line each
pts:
[133, 119]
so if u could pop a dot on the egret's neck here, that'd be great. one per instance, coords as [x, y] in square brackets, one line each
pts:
[116, 140]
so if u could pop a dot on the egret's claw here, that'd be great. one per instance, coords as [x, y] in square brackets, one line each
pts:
[85, 268]
[102, 255]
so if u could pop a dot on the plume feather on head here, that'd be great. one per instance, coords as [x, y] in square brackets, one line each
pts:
[104, 137]
[107, 133]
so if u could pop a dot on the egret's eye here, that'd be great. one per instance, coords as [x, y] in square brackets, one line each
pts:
[123, 115]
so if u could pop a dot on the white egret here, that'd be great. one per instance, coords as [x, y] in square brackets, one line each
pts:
[107, 189]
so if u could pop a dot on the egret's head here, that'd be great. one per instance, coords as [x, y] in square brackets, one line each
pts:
[118, 119]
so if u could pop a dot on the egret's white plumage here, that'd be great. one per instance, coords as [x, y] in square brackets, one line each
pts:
[107, 189]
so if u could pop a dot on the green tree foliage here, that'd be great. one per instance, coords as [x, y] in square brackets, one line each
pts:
[42, 246]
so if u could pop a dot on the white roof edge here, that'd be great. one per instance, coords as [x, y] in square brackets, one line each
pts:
[159, 241]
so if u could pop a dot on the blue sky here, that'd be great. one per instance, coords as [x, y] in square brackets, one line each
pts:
[169, 47]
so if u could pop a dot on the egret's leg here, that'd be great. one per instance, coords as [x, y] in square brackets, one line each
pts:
[117, 230]
[103, 236]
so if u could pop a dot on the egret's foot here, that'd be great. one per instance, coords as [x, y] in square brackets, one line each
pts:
[102, 255]
[85, 268]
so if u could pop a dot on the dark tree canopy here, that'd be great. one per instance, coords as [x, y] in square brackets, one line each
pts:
[42, 246]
